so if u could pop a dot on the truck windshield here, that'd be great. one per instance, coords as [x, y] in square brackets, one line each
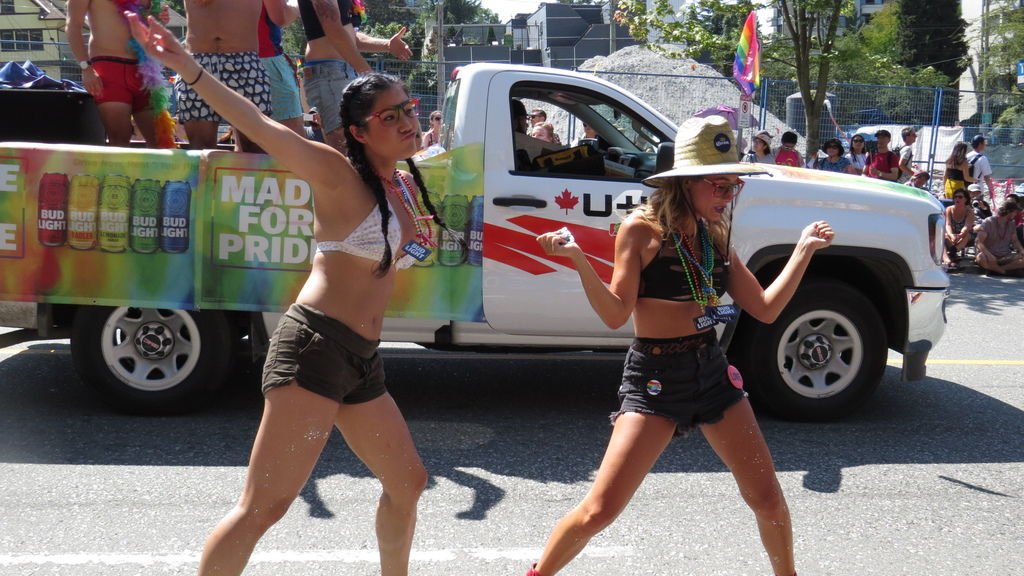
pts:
[451, 99]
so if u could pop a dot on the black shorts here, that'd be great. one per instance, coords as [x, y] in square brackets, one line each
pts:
[323, 356]
[683, 379]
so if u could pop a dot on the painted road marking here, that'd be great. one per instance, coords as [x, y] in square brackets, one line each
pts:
[294, 556]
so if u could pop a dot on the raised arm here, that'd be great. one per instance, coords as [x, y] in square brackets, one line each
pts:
[341, 36]
[281, 12]
[765, 304]
[613, 304]
[317, 163]
[395, 45]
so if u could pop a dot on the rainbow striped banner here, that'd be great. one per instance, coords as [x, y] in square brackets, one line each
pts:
[746, 67]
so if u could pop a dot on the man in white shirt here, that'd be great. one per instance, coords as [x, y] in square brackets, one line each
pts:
[909, 136]
[980, 167]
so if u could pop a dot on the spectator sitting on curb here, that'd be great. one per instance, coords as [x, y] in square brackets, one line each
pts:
[981, 207]
[919, 180]
[999, 249]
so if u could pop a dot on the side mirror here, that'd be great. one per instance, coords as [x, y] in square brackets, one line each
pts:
[666, 157]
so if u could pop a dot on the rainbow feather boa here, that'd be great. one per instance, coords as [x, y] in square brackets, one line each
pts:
[359, 10]
[151, 74]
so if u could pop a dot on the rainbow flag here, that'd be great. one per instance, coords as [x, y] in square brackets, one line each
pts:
[746, 67]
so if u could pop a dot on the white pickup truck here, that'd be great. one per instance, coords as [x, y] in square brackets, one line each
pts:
[154, 326]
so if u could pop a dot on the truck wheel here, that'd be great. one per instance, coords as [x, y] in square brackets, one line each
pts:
[821, 359]
[151, 361]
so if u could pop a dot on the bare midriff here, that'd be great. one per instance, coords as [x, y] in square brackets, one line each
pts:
[653, 318]
[108, 31]
[222, 26]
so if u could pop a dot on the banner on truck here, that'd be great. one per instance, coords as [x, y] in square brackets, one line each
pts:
[207, 230]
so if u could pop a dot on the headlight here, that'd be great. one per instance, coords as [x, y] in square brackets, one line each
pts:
[936, 236]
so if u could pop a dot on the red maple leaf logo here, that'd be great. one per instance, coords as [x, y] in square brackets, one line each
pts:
[566, 200]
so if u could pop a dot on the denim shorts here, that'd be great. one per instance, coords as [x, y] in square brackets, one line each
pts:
[324, 81]
[323, 356]
[686, 380]
[284, 91]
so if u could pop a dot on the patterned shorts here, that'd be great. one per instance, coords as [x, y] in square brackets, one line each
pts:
[241, 71]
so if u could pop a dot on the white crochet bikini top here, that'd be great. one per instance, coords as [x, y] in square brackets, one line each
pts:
[366, 240]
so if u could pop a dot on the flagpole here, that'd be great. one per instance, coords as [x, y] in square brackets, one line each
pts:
[746, 69]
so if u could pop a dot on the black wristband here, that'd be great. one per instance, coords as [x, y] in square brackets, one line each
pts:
[192, 83]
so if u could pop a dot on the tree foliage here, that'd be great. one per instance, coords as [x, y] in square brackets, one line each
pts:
[806, 47]
[1005, 30]
[706, 31]
[931, 34]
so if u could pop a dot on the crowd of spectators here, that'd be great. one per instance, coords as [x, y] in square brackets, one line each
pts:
[977, 227]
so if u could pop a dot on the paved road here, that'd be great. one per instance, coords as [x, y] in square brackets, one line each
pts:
[927, 480]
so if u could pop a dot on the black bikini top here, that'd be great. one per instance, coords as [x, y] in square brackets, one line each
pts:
[664, 278]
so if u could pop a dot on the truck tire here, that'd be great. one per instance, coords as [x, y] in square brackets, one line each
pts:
[152, 361]
[821, 359]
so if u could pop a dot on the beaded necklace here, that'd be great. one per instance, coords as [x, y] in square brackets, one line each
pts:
[424, 232]
[698, 274]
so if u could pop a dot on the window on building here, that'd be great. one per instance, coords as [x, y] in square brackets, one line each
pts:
[21, 40]
[6, 6]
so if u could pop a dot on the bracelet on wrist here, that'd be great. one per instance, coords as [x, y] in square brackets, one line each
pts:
[198, 77]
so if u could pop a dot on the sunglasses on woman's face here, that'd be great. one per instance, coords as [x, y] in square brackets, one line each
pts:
[858, 141]
[719, 190]
[389, 116]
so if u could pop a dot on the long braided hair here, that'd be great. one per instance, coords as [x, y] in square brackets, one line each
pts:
[357, 103]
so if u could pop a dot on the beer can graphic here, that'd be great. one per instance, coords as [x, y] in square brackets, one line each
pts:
[144, 229]
[476, 231]
[174, 216]
[454, 212]
[113, 229]
[53, 208]
[83, 201]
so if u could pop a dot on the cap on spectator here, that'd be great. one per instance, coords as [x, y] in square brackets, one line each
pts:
[978, 140]
[974, 188]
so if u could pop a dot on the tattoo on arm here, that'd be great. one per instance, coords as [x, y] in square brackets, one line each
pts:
[326, 10]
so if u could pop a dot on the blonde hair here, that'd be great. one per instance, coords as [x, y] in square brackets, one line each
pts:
[671, 203]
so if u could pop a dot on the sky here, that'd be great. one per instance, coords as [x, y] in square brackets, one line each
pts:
[506, 9]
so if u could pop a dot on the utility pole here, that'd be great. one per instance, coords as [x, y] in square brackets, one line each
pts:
[983, 65]
[440, 54]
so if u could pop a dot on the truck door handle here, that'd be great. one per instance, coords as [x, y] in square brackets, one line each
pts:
[527, 201]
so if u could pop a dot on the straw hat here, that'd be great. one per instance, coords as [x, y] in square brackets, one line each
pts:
[704, 146]
[764, 136]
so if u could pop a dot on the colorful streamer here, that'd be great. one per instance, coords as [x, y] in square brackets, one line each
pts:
[359, 11]
[746, 68]
[151, 74]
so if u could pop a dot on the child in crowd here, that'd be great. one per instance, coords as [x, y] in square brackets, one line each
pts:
[787, 154]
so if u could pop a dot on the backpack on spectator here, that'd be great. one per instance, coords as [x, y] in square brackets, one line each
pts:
[973, 162]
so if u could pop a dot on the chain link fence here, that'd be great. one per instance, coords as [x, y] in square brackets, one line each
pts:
[941, 116]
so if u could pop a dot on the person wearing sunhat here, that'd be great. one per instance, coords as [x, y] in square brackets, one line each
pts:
[761, 149]
[834, 161]
[673, 266]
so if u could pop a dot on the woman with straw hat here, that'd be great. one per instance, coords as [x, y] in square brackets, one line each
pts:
[673, 263]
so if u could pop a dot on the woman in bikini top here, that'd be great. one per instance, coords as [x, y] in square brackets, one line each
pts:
[322, 368]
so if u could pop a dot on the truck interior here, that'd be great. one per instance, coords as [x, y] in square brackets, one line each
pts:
[626, 146]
